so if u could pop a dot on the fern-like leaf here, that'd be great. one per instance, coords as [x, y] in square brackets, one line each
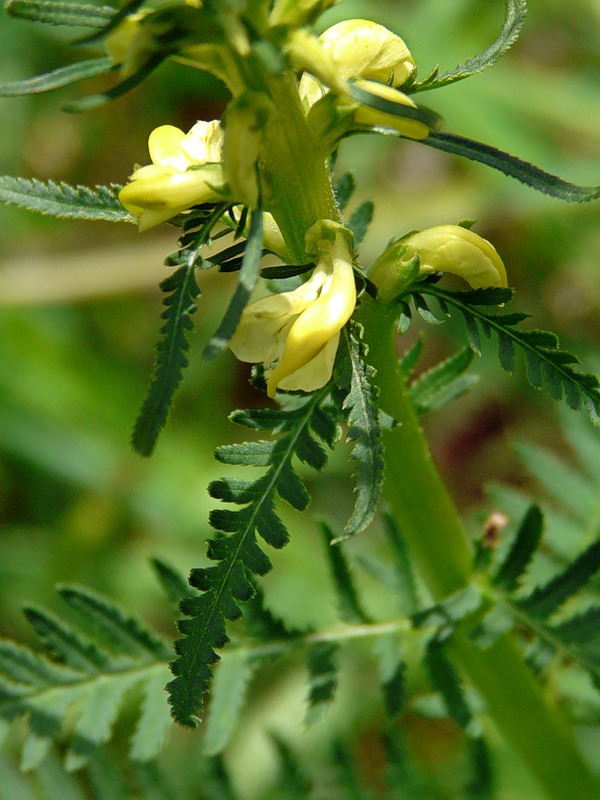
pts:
[354, 377]
[52, 12]
[182, 290]
[547, 599]
[525, 544]
[443, 383]
[64, 201]
[515, 12]
[237, 553]
[63, 76]
[344, 189]
[548, 367]
[233, 674]
[84, 676]
[513, 167]
[360, 220]
[323, 678]
[349, 606]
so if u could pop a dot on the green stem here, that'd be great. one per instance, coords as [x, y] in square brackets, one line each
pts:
[298, 190]
[427, 517]
[298, 194]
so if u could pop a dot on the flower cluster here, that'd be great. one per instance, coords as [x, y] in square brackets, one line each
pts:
[350, 78]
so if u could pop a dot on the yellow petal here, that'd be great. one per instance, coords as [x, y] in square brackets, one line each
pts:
[321, 321]
[263, 321]
[175, 190]
[364, 49]
[164, 145]
[316, 373]
[458, 250]
[203, 144]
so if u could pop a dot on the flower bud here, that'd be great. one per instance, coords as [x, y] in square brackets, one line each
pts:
[452, 248]
[444, 248]
[364, 49]
[358, 48]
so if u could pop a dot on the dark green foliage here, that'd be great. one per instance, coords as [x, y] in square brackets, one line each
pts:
[446, 682]
[63, 76]
[548, 367]
[96, 100]
[515, 12]
[405, 585]
[525, 543]
[88, 671]
[351, 785]
[443, 383]
[360, 220]
[293, 783]
[181, 291]
[117, 16]
[549, 598]
[64, 201]
[513, 167]
[354, 377]
[70, 14]
[323, 678]
[224, 586]
[172, 581]
[481, 783]
[392, 673]
[350, 609]
[344, 189]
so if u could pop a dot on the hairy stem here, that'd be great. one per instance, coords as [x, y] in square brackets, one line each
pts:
[427, 517]
[298, 191]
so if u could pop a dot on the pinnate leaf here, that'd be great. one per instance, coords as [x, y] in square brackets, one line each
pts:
[181, 291]
[64, 201]
[235, 550]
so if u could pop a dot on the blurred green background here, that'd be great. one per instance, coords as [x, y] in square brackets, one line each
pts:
[79, 313]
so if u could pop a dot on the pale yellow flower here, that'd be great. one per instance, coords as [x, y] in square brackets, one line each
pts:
[455, 249]
[444, 248]
[365, 54]
[361, 48]
[295, 334]
[186, 170]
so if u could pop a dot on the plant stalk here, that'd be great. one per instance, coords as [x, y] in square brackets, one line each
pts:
[299, 193]
[298, 189]
[428, 519]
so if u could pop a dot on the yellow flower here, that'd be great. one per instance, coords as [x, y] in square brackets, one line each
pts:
[363, 54]
[185, 172]
[295, 334]
[444, 248]
[364, 49]
[452, 248]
